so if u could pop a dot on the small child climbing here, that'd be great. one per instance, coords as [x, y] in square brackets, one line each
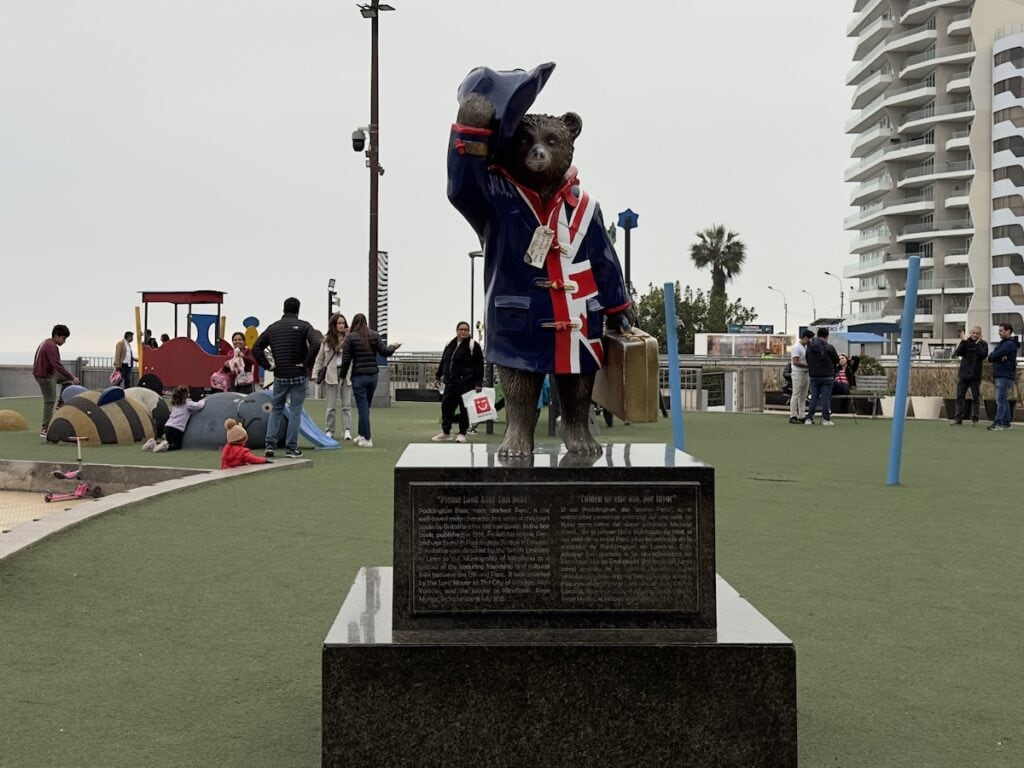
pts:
[182, 407]
[235, 454]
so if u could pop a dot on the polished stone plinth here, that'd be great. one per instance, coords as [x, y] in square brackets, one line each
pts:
[555, 697]
[621, 540]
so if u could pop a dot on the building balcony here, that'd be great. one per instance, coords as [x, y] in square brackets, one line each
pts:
[919, 10]
[918, 93]
[958, 141]
[875, 314]
[910, 205]
[899, 262]
[922, 62]
[921, 177]
[866, 216]
[958, 199]
[867, 117]
[870, 190]
[918, 149]
[869, 240]
[872, 61]
[874, 33]
[866, 168]
[913, 40]
[934, 229]
[923, 118]
[863, 16]
[872, 292]
[959, 25]
[957, 258]
[864, 267]
[871, 88]
[959, 82]
[871, 140]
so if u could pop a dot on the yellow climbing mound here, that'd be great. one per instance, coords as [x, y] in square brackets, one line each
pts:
[12, 421]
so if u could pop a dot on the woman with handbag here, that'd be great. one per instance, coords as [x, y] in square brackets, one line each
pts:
[461, 369]
[326, 372]
[359, 354]
[243, 365]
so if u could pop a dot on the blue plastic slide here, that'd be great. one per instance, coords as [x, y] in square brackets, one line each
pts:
[309, 430]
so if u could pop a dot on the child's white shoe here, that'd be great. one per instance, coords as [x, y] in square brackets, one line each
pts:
[149, 445]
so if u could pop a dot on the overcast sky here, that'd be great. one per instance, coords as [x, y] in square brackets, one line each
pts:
[187, 144]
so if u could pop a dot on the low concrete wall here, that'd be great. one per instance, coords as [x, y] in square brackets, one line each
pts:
[17, 381]
[112, 478]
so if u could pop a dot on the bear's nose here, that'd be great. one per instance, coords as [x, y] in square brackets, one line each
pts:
[538, 152]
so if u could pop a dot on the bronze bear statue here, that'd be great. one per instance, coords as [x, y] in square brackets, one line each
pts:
[551, 274]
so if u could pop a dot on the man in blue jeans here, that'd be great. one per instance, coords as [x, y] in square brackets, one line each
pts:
[293, 346]
[1004, 372]
[822, 362]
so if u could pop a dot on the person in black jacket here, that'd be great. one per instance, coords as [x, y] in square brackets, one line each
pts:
[293, 346]
[822, 362]
[972, 351]
[360, 350]
[460, 370]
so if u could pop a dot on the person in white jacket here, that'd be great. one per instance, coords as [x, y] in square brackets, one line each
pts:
[328, 360]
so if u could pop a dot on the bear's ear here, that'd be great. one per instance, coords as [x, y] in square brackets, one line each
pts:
[574, 123]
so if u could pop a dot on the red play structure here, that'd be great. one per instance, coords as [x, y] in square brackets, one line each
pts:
[186, 360]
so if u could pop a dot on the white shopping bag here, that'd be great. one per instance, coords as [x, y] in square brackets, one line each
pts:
[480, 405]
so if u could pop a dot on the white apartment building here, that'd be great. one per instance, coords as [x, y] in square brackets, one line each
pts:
[938, 164]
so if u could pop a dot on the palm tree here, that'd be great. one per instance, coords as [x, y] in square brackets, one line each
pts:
[723, 251]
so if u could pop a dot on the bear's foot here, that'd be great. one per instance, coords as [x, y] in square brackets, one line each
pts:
[577, 439]
[514, 446]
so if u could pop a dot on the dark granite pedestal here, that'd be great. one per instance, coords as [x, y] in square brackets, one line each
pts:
[555, 697]
[554, 611]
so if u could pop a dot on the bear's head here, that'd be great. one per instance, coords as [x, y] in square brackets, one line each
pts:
[540, 152]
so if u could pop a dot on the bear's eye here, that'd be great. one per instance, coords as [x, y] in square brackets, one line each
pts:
[551, 141]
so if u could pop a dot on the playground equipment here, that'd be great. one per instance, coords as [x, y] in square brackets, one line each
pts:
[186, 360]
[82, 489]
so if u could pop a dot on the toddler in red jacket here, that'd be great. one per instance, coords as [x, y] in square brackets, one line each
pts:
[235, 454]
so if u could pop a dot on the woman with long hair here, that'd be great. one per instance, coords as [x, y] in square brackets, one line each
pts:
[359, 353]
[328, 360]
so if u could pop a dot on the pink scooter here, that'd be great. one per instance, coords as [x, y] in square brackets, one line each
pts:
[83, 489]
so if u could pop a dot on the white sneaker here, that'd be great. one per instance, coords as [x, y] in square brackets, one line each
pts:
[348, 435]
[441, 437]
[827, 423]
[329, 434]
[362, 442]
[808, 422]
[161, 447]
[149, 445]
[460, 438]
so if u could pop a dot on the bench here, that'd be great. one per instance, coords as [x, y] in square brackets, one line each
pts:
[869, 387]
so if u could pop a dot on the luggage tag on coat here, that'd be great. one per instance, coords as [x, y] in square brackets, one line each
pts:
[540, 245]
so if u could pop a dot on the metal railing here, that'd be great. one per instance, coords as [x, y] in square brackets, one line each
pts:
[965, 165]
[937, 226]
[937, 53]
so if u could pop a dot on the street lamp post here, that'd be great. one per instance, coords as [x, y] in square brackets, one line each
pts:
[473, 256]
[841, 298]
[814, 309]
[628, 221]
[332, 298]
[371, 11]
[785, 311]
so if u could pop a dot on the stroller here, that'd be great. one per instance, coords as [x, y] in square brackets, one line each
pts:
[82, 489]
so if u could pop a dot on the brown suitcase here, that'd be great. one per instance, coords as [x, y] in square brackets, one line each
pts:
[627, 385]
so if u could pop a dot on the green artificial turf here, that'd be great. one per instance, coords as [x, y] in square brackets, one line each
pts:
[186, 630]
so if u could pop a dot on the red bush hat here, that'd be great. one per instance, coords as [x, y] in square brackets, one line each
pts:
[510, 92]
